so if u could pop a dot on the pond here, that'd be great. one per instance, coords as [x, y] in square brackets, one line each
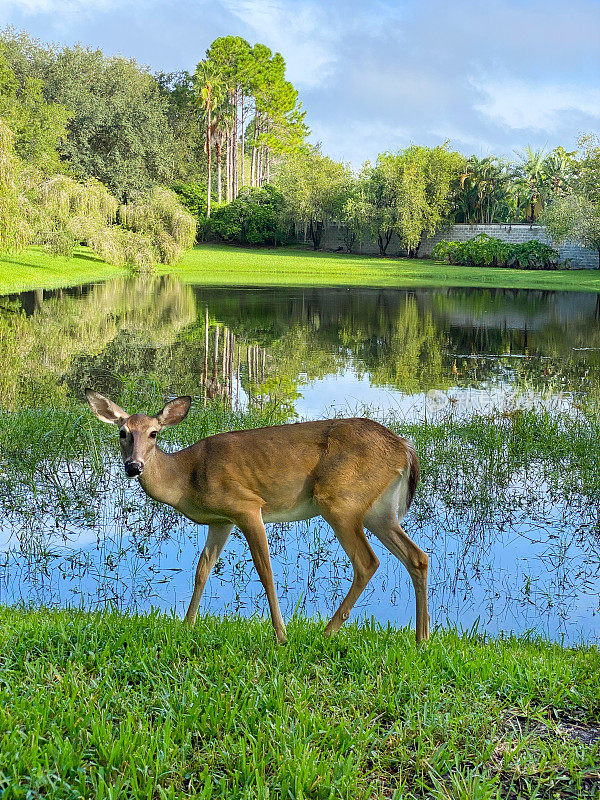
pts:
[531, 563]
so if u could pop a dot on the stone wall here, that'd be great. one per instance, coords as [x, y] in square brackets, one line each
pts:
[580, 257]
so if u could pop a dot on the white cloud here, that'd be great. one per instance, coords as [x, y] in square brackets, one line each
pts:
[62, 7]
[301, 32]
[535, 106]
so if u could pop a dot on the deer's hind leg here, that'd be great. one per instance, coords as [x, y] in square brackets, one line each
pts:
[382, 521]
[349, 530]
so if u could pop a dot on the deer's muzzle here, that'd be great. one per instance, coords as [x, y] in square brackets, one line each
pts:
[133, 468]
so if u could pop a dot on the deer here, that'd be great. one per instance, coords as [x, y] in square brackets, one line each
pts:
[354, 473]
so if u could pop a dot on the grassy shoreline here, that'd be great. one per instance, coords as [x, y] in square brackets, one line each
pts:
[221, 265]
[115, 706]
[35, 269]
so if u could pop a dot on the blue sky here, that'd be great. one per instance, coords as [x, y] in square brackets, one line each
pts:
[490, 76]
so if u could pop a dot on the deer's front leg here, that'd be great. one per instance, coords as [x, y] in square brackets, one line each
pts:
[215, 542]
[253, 528]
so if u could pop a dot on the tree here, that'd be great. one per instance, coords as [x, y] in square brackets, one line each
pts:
[187, 125]
[574, 217]
[585, 168]
[314, 188]
[486, 192]
[258, 114]
[15, 231]
[37, 126]
[211, 91]
[575, 213]
[377, 204]
[411, 193]
[118, 131]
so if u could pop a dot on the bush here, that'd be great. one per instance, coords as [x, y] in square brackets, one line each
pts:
[254, 217]
[193, 197]
[487, 251]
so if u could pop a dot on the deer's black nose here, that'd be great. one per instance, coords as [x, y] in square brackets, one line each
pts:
[133, 468]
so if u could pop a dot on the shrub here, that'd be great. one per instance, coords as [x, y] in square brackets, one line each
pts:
[254, 217]
[484, 250]
[193, 197]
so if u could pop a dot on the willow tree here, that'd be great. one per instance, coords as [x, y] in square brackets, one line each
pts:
[170, 228]
[15, 230]
[64, 212]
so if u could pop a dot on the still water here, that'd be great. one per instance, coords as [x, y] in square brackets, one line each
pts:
[533, 565]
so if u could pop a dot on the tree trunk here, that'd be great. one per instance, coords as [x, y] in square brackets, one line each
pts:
[383, 240]
[243, 139]
[235, 144]
[228, 165]
[219, 168]
[208, 164]
[316, 232]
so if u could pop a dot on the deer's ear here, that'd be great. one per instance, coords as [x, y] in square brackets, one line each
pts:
[105, 409]
[175, 411]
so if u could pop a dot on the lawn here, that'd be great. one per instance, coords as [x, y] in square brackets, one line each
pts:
[112, 706]
[220, 265]
[35, 269]
[295, 266]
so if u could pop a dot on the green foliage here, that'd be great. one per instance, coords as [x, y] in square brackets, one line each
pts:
[118, 130]
[37, 125]
[15, 230]
[254, 217]
[575, 214]
[169, 227]
[486, 193]
[585, 165]
[193, 197]
[315, 189]
[177, 89]
[487, 251]
[410, 193]
[247, 108]
[574, 217]
[65, 213]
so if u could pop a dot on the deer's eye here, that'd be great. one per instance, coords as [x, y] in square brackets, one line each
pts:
[153, 435]
[122, 434]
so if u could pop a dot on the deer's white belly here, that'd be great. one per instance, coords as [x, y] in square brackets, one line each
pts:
[305, 510]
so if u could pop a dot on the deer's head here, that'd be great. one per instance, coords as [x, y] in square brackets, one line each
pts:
[137, 432]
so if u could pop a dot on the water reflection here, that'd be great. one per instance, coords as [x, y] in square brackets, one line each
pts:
[309, 349]
[532, 563]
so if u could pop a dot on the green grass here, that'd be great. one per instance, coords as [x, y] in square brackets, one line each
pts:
[295, 266]
[220, 265]
[110, 706]
[35, 269]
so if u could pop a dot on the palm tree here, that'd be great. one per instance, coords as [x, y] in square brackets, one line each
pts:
[485, 191]
[210, 93]
[532, 178]
[557, 168]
